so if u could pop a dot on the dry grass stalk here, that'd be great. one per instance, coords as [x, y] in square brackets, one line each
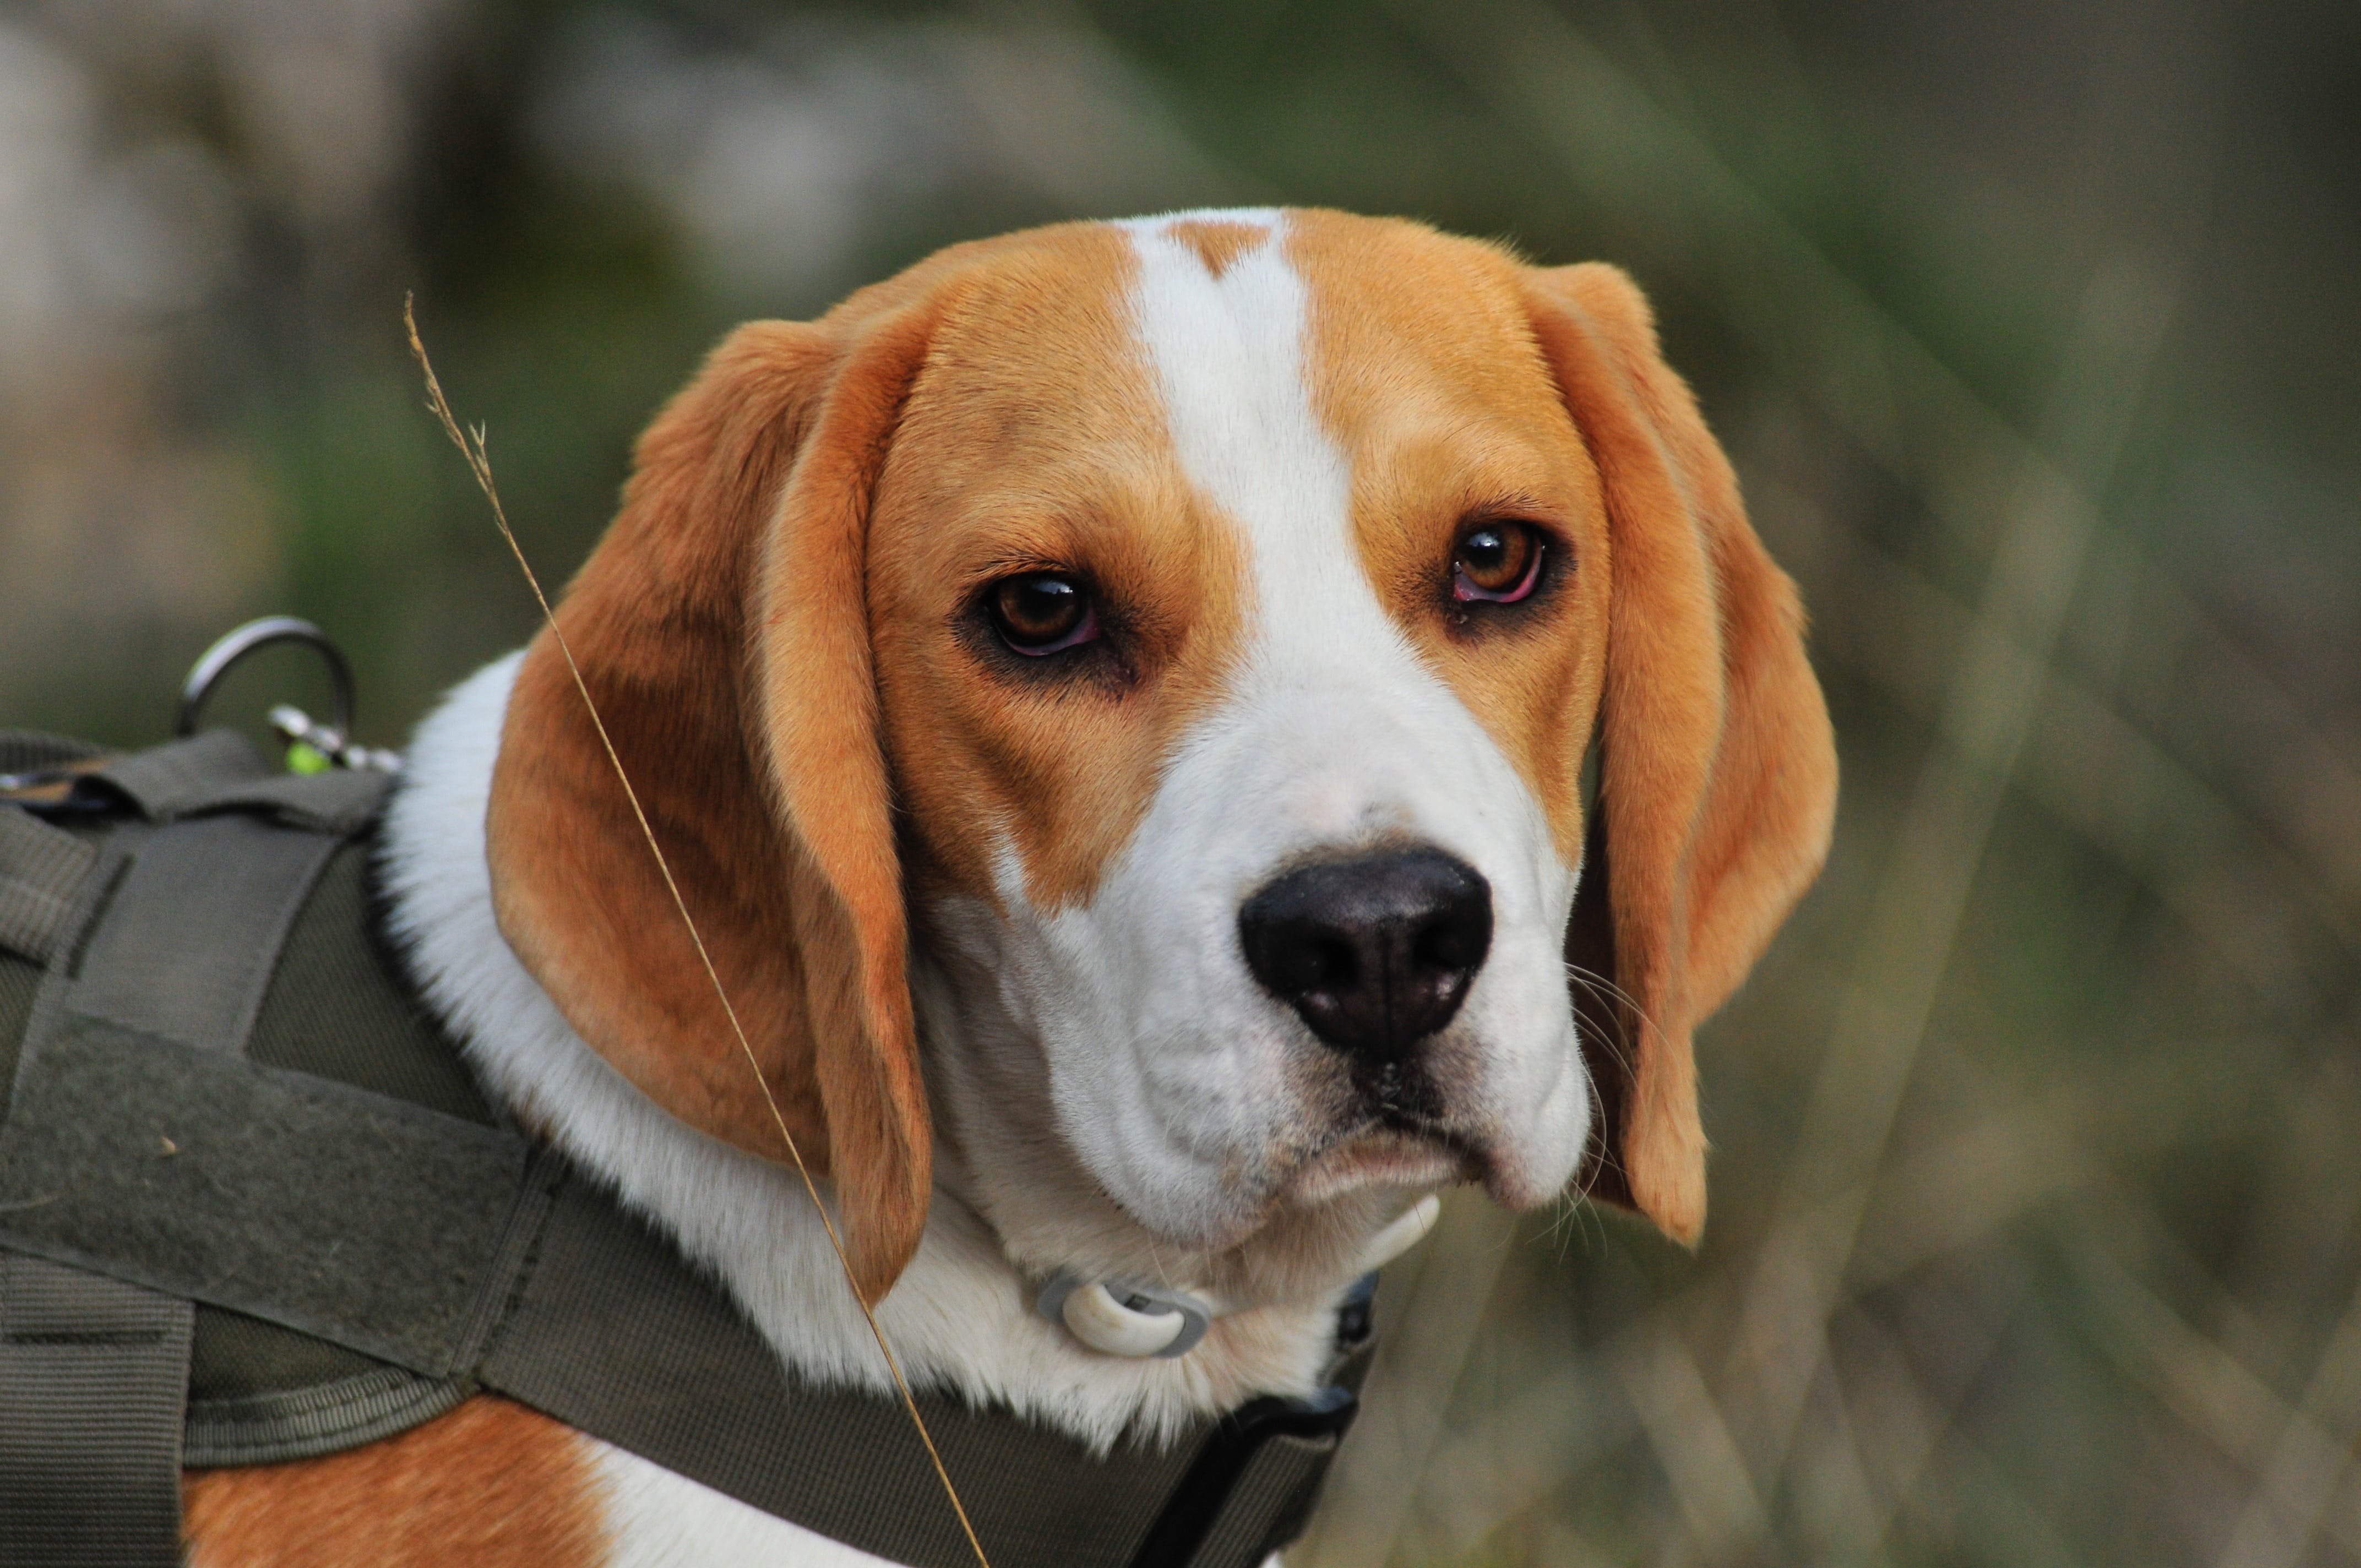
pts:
[479, 463]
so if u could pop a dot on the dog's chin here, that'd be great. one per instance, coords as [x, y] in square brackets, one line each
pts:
[1380, 1158]
[1389, 1156]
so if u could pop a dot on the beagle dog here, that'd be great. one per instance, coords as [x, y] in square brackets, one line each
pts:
[1116, 700]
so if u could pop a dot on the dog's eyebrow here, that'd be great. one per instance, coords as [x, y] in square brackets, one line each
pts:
[1015, 561]
[1518, 503]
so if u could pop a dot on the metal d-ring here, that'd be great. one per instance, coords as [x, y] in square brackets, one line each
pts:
[216, 662]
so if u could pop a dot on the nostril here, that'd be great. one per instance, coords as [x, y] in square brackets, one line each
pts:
[1375, 952]
[1453, 943]
[1311, 961]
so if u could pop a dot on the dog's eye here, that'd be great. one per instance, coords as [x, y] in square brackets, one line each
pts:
[1042, 612]
[1497, 562]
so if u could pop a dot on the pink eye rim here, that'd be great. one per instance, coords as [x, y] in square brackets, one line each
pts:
[1529, 539]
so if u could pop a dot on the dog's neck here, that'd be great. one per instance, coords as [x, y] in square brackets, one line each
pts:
[961, 1317]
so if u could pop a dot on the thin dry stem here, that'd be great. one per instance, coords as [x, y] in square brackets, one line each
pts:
[470, 443]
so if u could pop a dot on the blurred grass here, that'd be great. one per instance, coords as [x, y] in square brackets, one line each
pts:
[2037, 1178]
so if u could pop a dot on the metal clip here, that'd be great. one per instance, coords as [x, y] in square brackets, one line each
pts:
[312, 746]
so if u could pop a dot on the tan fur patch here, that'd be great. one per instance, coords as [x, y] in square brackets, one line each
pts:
[770, 802]
[1035, 439]
[1424, 369]
[491, 1485]
[1460, 383]
[1217, 242]
[1717, 768]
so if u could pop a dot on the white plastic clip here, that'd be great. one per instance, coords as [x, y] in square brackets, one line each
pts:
[1126, 1319]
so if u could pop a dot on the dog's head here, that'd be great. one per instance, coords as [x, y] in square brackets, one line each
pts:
[1186, 637]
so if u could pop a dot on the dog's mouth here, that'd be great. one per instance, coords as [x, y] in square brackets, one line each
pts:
[1391, 1148]
[1379, 1157]
[1391, 1127]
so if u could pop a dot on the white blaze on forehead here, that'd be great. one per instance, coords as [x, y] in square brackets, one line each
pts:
[1228, 356]
[1361, 721]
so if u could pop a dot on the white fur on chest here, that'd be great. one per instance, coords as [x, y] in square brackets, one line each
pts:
[959, 1317]
[658, 1520]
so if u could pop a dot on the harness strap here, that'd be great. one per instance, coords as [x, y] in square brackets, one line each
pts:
[163, 781]
[28, 751]
[199, 917]
[611, 1336]
[92, 1372]
[1252, 1487]
[93, 1367]
[40, 866]
[140, 1141]
[219, 771]
[141, 1145]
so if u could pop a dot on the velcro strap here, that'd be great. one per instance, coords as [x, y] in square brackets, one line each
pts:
[40, 867]
[364, 1220]
[93, 1373]
[140, 1144]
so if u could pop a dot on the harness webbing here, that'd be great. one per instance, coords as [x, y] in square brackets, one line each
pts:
[39, 870]
[92, 1372]
[94, 1368]
[149, 1161]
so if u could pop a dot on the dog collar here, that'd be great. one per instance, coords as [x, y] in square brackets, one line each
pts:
[1132, 1319]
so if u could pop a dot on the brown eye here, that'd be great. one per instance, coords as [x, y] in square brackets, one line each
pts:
[1042, 612]
[1497, 562]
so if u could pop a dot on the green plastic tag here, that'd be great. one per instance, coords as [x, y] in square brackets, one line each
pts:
[303, 757]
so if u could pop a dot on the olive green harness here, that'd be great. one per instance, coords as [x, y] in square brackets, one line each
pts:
[253, 1209]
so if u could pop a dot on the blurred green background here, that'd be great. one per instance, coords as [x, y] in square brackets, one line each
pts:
[2032, 330]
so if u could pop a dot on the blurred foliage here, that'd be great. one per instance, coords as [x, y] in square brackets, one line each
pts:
[2029, 329]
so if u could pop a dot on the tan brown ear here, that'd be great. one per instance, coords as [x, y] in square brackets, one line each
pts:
[1717, 782]
[721, 625]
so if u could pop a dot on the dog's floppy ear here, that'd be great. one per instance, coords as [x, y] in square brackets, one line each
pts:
[1717, 782]
[722, 629]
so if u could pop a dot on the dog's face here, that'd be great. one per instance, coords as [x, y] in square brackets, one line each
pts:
[1238, 602]
[1188, 634]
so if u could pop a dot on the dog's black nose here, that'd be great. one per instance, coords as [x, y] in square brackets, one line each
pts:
[1375, 953]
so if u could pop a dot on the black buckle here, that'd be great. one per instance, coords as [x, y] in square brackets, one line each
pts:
[1357, 1317]
[1196, 1503]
